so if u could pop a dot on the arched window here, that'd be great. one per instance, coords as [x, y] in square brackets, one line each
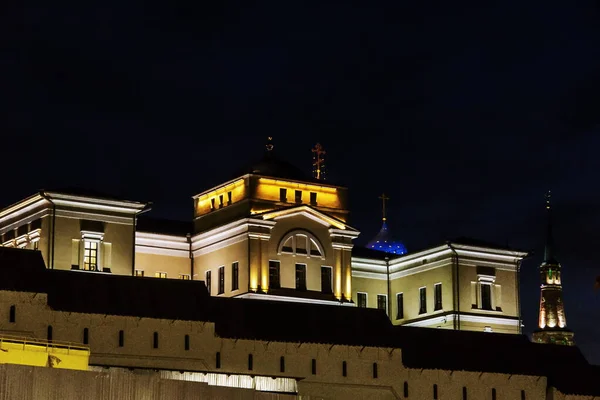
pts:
[301, 242]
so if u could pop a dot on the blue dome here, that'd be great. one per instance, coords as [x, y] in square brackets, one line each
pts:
[384, 242]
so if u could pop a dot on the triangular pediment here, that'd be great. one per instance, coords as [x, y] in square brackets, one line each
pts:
[311, 213]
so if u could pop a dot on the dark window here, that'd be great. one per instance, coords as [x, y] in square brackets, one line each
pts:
[422, 300]
[437, 294]
[361, 300]
[221, 280]
[464, 393]
[486, 297]
[344, 368]
[49, 333]
[212, 203]
[326, 280]
[208, 281]
[493, 393]
[250, 362]
[382, 302]
[522, 395]
[300, 277]
[274, 275]
[86, 336]
[235, 276]
[186, 342]
[121, 338]
[375, 370]
[218, 360]
[282, 364]
[405, 389]
[298, 195]
[313, 198]
[228, 198]
[283, 195]
[313, 366]
[155, 340]
[12, 317]
[220, 200]
[400, 306]
[435, 394]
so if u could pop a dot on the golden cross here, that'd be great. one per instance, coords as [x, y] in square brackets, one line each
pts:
[319, 151]
[383, 198]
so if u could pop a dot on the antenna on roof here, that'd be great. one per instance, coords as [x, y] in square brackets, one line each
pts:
[319, 162]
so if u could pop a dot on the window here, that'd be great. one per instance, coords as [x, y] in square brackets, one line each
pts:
[121, 338]
[212, 203]
[283, 195]
[326, 286]
[86, 336]
[301, 242]
[374, 370]
[464, 393]
[250, 362]
[282, 364]
[186, 342]
[435, 392]
[229, 200]
[382, 302]
[344, 368]
[493, 393]
[437, 294]
[218, 360]
[298, 196]
[405, 389]
[162, 275]
[49, 333]
[139, 272]
[313, 366]
[422, 300]
[400, 306]
[12, 315]
[274, 275]
[235, 279]
[155, 340]
[90, 255]
[522, 395]
[313, 198]
[208, 281]
[220, 201]
[221, 280]
[361, 300]
[185, 277]
[300, 276]
[486, 296]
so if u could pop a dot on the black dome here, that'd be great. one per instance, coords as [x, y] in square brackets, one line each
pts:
[271, 165]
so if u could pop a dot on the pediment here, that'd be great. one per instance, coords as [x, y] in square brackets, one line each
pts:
[310, 213]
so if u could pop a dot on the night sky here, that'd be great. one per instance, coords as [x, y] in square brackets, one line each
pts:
[464, 116]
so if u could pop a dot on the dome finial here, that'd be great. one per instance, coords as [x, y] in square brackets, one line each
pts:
[383, 198]
[269, 145]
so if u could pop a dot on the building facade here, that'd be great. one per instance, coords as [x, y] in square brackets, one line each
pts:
[272, 233]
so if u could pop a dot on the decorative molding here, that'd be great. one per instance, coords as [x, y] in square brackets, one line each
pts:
[226, 231]
[310, 213]
[94, 203]
[241, 237]
[257, 296]
[22, 208]
[161, 251]
[369, 275]
[436, 320]
[25, 220]
[113, 219]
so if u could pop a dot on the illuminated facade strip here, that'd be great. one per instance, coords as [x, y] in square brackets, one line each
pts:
[234, 182]
[161, 251]
[25, 220]
[511, 254]
[442, 319]
[291, 299]
[114, 219]
[488, 255]
[485, 263]
[220, 245]
[418, 258]
[369, 275]
[308, 213]
[96, 207]
[23, 208]
[129, 206]
[164, 241]
[228, 230]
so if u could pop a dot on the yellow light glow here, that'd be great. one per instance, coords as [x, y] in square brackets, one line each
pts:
[40, 353]
[305, 209]
[238, 192]
[269, 189]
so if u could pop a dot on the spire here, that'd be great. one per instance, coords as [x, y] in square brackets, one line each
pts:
[549, 257]
[318, 162]
[269, 146]
[383, 198]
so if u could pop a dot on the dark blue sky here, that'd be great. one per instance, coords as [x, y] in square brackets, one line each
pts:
[464, 114]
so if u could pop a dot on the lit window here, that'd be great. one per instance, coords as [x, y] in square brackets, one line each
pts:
[184, 277]
[139, 272]
[90, 255]
[160, 275]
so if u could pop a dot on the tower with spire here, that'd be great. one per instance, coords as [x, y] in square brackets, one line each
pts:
[552, 324]
[383, 240]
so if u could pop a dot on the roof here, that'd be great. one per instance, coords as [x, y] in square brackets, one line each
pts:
[85, 192]
[164, 226]
[422, 348]
[384, 241]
